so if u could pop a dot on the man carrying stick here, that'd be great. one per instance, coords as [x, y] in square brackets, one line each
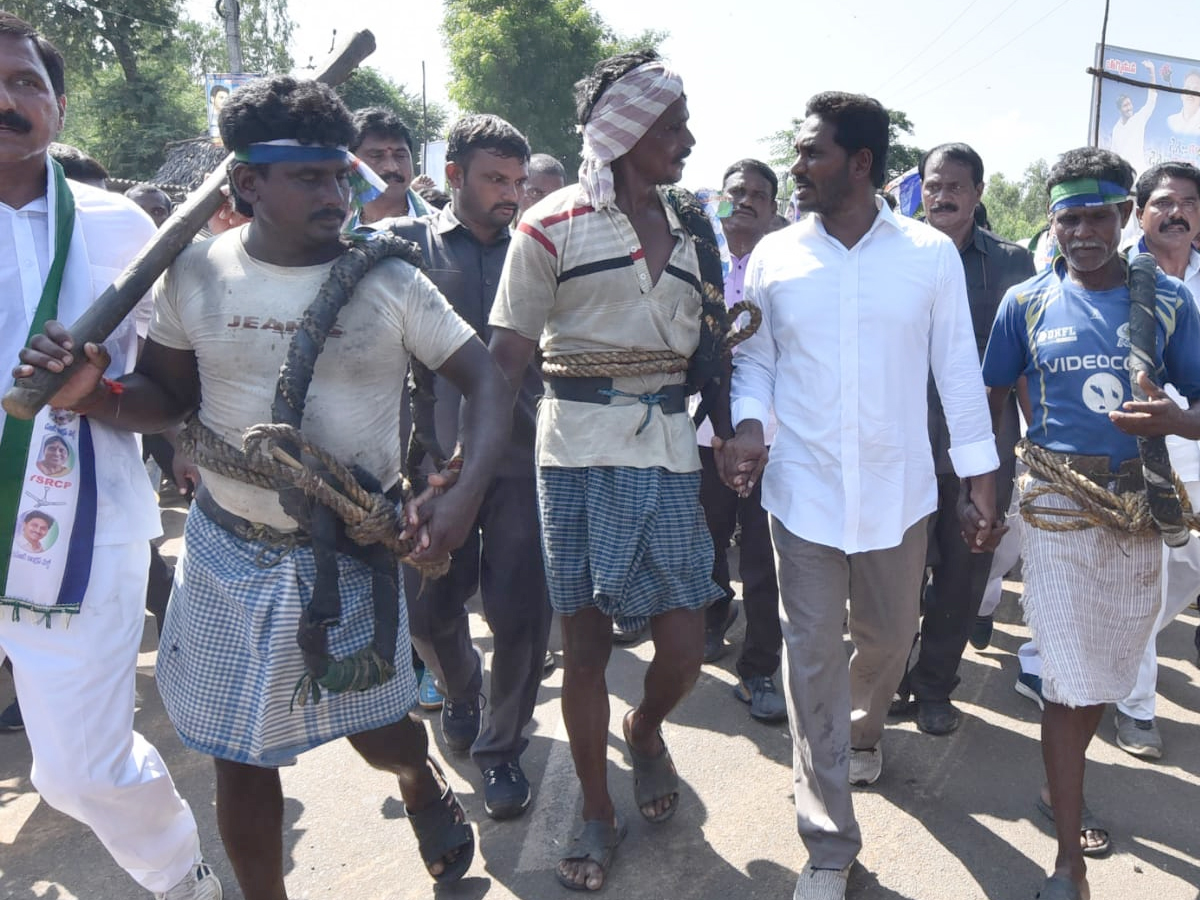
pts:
[1092, 583]
[237, 681]
[76, 508]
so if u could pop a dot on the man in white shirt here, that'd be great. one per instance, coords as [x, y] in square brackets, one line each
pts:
[61, 242]
[858, 305]
[1129, 134]
[1187, 120]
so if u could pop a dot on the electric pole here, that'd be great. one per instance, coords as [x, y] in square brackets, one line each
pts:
[230, 10]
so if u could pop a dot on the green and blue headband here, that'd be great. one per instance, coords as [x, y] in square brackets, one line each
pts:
[1086, 192]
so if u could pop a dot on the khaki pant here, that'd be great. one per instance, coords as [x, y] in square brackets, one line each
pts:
[832, 707]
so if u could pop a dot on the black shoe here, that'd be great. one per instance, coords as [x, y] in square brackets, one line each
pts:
[506, 791]
[937, 716]
[548, 663]
[621, 636]
[460, 722]
[10, 719]
[902, 704]
[714, 635]
[981, 632]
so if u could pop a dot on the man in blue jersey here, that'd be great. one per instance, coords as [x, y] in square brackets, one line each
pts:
[1092, 595]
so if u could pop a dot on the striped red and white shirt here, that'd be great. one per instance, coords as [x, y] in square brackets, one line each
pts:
[576, 280]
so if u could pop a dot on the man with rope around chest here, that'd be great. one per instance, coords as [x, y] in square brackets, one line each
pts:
[263, 546]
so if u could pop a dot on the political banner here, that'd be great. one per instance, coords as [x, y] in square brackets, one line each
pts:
[217, 89]
[1145, 125]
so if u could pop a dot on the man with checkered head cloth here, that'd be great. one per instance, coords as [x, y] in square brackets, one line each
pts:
[1092, 592]
[607, 276]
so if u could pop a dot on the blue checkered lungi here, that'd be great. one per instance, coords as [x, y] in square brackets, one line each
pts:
[631, 542]
[228, 662]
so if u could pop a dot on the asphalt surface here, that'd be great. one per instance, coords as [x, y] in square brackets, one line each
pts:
[952, 818]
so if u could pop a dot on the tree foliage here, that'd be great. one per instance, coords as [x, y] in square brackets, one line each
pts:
[1017, 209]
[266, 32]
[132, 69]
[369, 87]
[128, 90]
[520, 59]
[901, 156]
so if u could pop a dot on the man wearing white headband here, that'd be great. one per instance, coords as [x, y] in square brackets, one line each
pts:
[1092, 592]
[607, 275]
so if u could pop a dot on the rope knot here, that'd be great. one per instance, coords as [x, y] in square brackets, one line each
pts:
[378, 523]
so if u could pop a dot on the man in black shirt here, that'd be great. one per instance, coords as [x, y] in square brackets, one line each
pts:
[464, 246]
[951, 188]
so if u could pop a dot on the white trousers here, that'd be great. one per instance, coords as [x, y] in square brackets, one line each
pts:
[75, 681]
[1181, 584]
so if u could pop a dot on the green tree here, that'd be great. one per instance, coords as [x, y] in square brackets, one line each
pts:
[369, 87]
[133, 68]
[520, 60]
[1017, 210]
[127, 82]
[266, 32]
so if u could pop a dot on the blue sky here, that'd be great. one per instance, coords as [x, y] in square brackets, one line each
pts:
[1006, 76]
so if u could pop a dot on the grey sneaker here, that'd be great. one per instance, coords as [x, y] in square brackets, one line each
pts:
[1138, 737]
[821, 884]
[199, 884]
[865, 766]
[766, 703]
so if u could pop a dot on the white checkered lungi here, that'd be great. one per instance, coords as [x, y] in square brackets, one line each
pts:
[228, 662]
[1091, 600]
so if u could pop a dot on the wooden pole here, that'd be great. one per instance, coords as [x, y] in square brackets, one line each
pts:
[28, 395]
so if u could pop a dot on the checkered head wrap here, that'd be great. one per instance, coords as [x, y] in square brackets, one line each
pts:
[621, 116]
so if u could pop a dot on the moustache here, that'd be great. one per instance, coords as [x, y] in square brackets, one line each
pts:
[336, 215]
[508, 209]
[1085, 245]
[944, 207]
[14, 120]
[1183, 223]
[393, 177]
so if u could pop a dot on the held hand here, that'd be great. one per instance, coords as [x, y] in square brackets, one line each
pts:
[981, 528]
[185, 473]
[53, 350]
[1155, 416]
[446, 521]
[742, 458]
[435, 518]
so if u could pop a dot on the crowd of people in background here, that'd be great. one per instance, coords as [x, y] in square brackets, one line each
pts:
[549, 367]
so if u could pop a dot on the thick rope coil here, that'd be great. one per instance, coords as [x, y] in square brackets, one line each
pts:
[629, 363]
[370, 518]
[1128, 512]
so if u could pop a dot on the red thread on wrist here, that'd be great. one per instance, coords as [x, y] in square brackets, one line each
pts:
[114, 387]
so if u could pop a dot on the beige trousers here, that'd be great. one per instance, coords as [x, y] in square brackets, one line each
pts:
[831, 706]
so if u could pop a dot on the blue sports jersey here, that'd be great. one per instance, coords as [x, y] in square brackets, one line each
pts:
[1072, 344]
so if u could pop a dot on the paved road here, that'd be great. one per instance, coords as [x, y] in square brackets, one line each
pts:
[952, 818]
